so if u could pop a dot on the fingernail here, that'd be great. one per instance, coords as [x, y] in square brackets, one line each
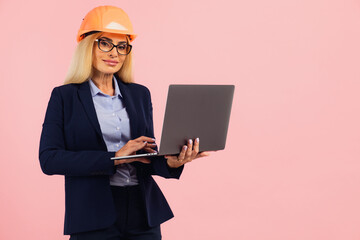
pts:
[190, 141]
[197, 140]
[145, 142]
[185, 147]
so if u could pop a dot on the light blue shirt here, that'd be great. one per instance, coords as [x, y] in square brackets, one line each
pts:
[115, 127]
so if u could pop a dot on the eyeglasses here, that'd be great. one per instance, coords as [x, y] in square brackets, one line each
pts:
[106, 46]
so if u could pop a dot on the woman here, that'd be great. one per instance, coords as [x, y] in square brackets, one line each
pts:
[98, 114]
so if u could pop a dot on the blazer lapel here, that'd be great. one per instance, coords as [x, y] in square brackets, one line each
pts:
[130, 107]
[88, 104]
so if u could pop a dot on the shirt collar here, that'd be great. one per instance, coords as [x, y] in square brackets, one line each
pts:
[95, 90]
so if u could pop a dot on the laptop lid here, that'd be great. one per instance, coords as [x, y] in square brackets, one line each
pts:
[193, 111]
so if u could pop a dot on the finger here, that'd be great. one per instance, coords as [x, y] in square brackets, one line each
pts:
[151, 145]
[145, 139]
[139, 159]
[196, 147]
[141, 142]
[144, 160]
[189, 149]
[203, 154]
[200, 155]
[139, 145]
[133, 146]
[121, 161]
[182, 153]
[149, 150]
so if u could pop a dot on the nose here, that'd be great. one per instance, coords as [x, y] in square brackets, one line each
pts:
[113, 52]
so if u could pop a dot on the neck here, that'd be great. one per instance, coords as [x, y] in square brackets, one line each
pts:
[104, 82]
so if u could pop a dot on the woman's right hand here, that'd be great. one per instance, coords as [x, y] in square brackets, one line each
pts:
[130, 148]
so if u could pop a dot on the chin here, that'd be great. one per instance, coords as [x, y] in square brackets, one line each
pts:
[109, 71]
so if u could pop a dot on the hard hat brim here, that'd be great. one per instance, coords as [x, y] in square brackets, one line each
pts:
[81, 34]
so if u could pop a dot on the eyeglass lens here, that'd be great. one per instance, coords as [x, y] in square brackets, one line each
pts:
[107, 47]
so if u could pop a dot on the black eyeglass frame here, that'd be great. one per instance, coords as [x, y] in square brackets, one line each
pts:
[113, 45]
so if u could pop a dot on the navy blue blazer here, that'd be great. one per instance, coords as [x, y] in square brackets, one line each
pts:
[71, 144]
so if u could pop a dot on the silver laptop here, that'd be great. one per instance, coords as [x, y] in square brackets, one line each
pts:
[193, 111]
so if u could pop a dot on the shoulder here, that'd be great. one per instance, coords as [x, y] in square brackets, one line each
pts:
[65, 91]
[67, 88]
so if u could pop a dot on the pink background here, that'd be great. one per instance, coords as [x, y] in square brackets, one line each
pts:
[291, 167]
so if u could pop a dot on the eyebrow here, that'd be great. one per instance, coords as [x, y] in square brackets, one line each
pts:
[110, 40]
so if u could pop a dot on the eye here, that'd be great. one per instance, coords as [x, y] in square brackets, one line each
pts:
[105, 44]
[122, 46]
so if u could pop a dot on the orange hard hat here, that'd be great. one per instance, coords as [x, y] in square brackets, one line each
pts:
[106, 19]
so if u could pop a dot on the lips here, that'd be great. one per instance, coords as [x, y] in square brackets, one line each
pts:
[111, 62]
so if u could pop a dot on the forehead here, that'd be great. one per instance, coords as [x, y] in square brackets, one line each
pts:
[115, 37]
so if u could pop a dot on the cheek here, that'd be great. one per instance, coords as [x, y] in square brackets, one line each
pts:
[122, 60]
[121, 63]
[95, 61]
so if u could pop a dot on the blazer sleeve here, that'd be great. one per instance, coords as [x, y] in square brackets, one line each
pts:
[53, 156]
[158, 165]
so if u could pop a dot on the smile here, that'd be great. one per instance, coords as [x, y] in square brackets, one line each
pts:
[111, 62]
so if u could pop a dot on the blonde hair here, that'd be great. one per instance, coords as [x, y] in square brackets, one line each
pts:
[81, 69]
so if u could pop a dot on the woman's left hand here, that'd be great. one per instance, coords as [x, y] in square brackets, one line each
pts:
[188, 153]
